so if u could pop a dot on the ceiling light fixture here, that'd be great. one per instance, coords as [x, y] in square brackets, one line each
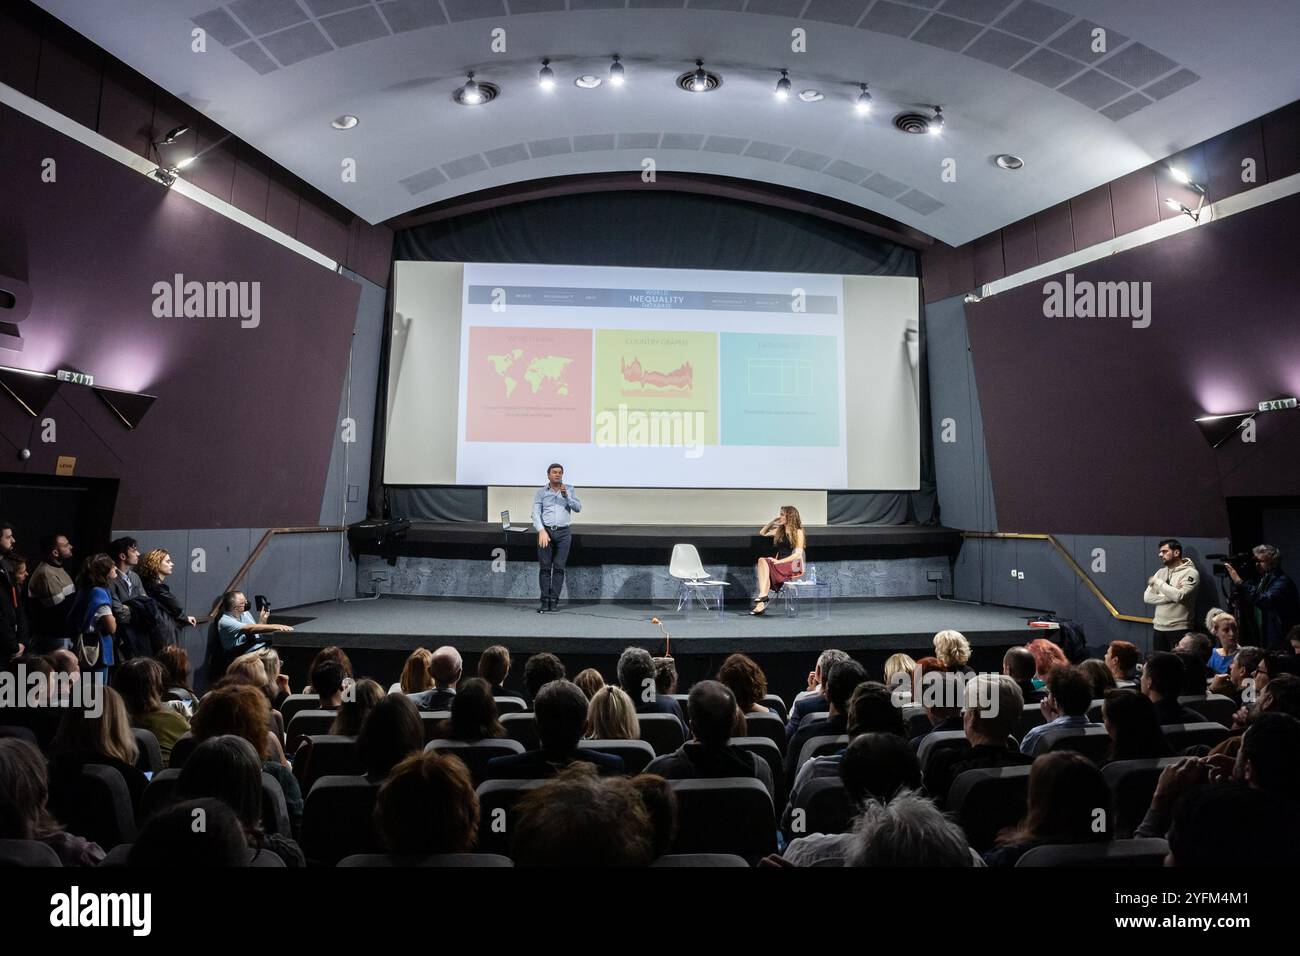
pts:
[172, 136]
[474, 93]
[783, 86]
[700, 83]
[165, 176]
[1007, 161]
[1176, 206]
[811, 96]
[863, 105]
[936, 121]
[346, 121]
[546, 76]
[588, 81]
[617, 75]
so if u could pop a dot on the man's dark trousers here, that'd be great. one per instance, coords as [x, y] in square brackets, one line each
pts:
[550, 562]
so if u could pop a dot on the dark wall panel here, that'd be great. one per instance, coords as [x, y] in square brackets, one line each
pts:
[987, 259]
[214, 171]
[282, 201]
[20, 55]
[1224, 156]
[1282, 142]
[68, 78]
[251, 183]
[126, 108]
[1092, 217]
[1020, 246]
[1133, 200]
[1055, 232]
[323, 224]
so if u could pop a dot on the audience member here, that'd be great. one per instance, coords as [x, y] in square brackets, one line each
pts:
[229, 769]
[1122, 658]
[474, 713]
[84, 739]
[636, 675]
[24, 806]
[989, 743]
[1195, 674]
[1069, 802]
[666, 675]
[844, 677]
[155, 568]
[813, 700]
[1219, 825]
[238, 631]
[561, 713]
[427, 806]
[416, 676]
[1163, 680]
[1047, 655]
[1134, 726]
[908, 831]
[940, 696]
[176, 676]
[661, 804]
[171, 836]
[1069, 696]
[540, 670]
[953, 651]
[352, 713]
[1099, 677]
[1223, 626]
[611, 716]
[277, 681]
[494, 667]
[590, 681]
[446, 667]
[1019, 664]
[391, 732]
[579, 819]
[330, 653]
[709, 753]
[1241, 672]
[140, 682]
[875, 766]
[243, 710]
[746, 681]
[898, 673]
[90, 616]
[14, 630]
[51, 589]
[327, 681]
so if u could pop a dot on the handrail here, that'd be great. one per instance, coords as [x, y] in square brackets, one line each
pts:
[257, 553]
[1069, 559]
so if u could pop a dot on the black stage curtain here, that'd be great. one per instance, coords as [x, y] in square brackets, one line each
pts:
[654, 230]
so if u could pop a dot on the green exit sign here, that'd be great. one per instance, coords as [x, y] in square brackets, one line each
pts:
[76, 378]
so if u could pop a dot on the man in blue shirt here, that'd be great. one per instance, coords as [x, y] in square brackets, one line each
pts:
[1065, 707]
[553, 508]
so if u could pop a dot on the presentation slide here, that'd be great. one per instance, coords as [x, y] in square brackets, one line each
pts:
[651, 378]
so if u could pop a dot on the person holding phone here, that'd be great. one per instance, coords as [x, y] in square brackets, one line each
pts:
[238, 631]
[786, 530]
[553, 508]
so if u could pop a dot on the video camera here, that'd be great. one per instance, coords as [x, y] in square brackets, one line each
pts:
[1244, 562]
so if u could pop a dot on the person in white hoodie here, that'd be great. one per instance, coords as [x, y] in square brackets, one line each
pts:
[1172, 590]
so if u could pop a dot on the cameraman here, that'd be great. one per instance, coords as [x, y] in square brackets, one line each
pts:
[1273, 597]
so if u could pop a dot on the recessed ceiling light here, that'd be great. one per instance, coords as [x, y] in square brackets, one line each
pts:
[587, 82]
[1007, 161]
[474, 93]
[811, 96]
[346, 121]
[699, 80]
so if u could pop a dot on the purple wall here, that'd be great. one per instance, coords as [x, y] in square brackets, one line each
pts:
[1089, 421]
[241, 433]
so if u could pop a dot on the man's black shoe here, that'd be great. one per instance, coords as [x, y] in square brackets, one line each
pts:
[544, 606]
[555, 604]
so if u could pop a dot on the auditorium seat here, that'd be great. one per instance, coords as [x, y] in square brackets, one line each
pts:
[438, 859]
[710, 860]
[22, 733]
[1213, 707]
[1182, 736]
[118, 856]
[636, 754]
[725, 815]
[475, 754]
[182, 749]
[161, 793]
[819, 715]
[1112, 853]
[296, 702]
[1030, 717]
[766, 749]
[986, 800]
[1094, 711]
[101, 810]
[768, 725]
[326, 755]
[826, 808]
[939, 740]
[311, 723]
[431, 720]
[1132, 784]
[777, 705]
[683, 701]
[663, 732]
[1092, 742]
[510, 705]
[496, 800]
[523, 728]
[149, 754]
[820, 747]
[23, 853]
[338, 820]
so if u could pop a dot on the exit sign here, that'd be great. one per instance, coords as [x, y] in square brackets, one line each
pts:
[76, 378]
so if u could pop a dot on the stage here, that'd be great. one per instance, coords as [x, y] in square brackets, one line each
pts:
[379, 634]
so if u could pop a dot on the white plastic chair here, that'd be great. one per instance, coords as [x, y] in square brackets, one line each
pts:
[694, 581]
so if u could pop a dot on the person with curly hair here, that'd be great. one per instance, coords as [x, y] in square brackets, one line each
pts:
[745, 679]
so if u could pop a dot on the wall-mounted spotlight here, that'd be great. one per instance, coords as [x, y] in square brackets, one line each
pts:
[617, 75]
[1180, 176]
[546, 76]
[936, 121]
[165, 176]
[863, 106]
[783, 86]
[172, 136]
[1176, 206]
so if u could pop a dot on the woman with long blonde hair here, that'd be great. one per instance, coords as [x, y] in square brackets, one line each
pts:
[611, 715]
[786, 531]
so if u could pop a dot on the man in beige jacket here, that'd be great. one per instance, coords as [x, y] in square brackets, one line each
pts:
[1172, 590]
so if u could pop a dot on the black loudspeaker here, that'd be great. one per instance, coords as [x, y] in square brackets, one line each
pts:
[382, 537]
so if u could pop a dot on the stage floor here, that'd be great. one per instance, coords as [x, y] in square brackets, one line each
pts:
[399, 623]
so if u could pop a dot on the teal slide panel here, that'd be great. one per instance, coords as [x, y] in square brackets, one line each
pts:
[780, 390]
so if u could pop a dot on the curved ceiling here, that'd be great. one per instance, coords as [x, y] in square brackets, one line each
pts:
[1083, 90]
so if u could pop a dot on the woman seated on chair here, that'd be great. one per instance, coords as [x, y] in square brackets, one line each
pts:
[786, 529]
